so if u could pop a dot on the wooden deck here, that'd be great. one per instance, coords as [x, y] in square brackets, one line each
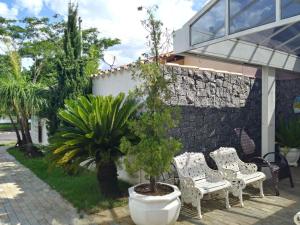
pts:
[271, 210]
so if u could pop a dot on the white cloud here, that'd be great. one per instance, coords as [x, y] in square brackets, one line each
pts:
[32, 6]
[120, 19]
[26, 63]
[7, 12]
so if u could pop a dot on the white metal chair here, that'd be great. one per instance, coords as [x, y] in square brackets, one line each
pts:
[197, 179]
[237, 172]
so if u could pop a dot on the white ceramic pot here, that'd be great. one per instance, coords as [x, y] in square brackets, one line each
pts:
[293, 156]
[297, 218]
[154, 210]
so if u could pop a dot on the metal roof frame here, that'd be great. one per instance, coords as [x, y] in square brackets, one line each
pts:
[225, 47]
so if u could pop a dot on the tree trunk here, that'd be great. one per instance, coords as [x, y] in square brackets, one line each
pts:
[28, 146]
[22, 132]
[152, 184]
[19, 140]
[108, 179]
[25, 132]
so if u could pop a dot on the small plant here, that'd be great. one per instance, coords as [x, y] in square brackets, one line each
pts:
[155, 149]
[288, 133]
[92, 131]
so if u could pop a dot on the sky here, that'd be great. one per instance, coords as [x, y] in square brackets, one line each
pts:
[113, 18]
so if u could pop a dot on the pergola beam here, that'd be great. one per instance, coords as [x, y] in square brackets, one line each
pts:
[275, 33]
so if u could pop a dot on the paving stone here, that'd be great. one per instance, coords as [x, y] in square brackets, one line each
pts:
[27, 200]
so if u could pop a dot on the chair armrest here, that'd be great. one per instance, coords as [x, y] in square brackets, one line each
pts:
[260, 160]
[229, 174]
[186, 182]
[248, 168]
[278, 154]
[214, 175]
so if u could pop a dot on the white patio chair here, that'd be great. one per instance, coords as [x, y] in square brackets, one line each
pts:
[237, 172]
[197, 179]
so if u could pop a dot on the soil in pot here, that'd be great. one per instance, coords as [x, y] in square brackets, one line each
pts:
[161, 189]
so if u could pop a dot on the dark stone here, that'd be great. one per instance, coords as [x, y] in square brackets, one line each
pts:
[213, 104]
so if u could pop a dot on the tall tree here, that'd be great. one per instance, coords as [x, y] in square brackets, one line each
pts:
[80, 59]
[155, 149]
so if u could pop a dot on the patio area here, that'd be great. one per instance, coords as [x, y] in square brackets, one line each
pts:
[259, 211]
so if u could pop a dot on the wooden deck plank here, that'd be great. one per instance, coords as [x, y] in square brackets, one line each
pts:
[275, 210]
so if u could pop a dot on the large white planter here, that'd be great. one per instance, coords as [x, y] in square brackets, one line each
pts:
[293, 156]
[297, 218]
[154, 210]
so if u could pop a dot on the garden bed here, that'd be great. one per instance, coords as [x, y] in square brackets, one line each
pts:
[81, 190]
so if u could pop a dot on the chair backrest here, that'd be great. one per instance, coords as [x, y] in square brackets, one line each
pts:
[191, 164]
[226, 158]
[247, 144]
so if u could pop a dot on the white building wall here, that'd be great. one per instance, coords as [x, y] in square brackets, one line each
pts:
[35, 130]
[113, 84]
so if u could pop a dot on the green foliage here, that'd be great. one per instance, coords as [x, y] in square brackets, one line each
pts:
[155, 148]
[94, 128]
[154, 28]
[63, 59]
[20, 96]
[80, 59]
[81, 190]
[288, 133]
[6, 127]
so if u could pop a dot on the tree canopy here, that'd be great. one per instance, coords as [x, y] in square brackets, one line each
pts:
[59, 55]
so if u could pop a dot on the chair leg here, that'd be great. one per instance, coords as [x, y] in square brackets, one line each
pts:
[241, 198]
[291, 180]
[261, 189]
[275, 180]
[199, 209]
[227, 199]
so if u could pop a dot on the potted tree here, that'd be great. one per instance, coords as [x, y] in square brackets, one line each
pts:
[152, 151]
[288, 137]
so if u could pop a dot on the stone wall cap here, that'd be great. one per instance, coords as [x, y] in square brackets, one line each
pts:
[202, 68]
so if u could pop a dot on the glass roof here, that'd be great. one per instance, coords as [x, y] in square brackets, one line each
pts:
[245, 14]
[210, 26]
[283, 38]
[216, 23]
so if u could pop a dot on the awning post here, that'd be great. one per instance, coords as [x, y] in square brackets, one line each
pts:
[268, 110]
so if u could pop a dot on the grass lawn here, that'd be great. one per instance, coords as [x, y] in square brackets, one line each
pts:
[4, 127]
[81, 190]
[7, 143]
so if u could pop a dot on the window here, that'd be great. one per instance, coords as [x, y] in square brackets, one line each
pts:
[290, 8]
[245, 14]
[209, 26]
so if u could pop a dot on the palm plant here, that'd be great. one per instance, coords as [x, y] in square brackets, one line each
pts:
[288, 133]
[92, 130]
[20, 97]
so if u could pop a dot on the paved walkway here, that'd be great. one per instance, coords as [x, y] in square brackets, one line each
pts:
[8, 137]
[26, 200]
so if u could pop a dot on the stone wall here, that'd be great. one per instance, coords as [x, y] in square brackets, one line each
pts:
[214, 103]
[286, 92]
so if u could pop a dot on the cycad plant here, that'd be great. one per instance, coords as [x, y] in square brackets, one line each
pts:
[92, 130]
